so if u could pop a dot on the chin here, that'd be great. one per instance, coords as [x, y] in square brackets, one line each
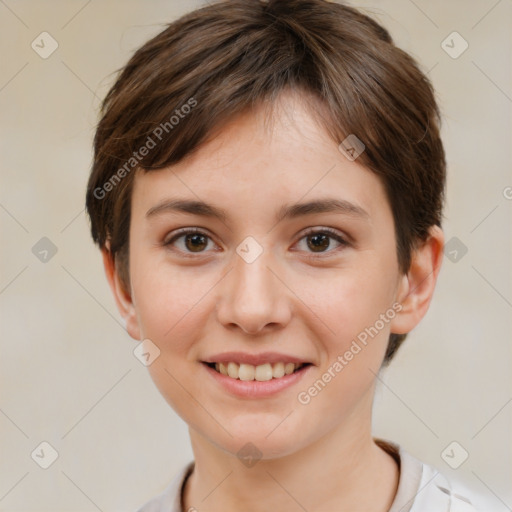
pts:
[256, 443]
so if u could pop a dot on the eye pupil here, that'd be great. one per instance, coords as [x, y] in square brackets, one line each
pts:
[194, 238]
[317, 242]
[324, 243]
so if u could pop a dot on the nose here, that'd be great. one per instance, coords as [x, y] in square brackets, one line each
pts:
[252, 296]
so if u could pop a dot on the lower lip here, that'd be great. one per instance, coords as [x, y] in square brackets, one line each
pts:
[255, 388]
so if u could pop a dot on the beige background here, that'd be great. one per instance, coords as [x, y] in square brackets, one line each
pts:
[68, 374]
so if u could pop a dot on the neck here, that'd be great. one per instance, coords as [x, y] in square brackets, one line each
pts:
[343, 470]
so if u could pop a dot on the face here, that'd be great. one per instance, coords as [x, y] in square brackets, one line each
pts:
[257, 274]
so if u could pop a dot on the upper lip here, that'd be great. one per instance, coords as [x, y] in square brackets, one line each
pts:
[254, 359]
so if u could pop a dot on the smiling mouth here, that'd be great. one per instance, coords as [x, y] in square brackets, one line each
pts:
[262, 372]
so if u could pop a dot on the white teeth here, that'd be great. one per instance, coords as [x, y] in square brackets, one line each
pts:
[246, 372]
[278, 370]
[288, 368]
[233, 370]
[261, 372]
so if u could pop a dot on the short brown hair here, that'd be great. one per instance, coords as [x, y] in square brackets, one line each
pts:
[233, 55]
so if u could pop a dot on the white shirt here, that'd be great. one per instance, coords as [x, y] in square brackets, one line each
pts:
[421, 488]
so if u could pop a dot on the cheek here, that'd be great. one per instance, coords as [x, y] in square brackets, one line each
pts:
[166, 298]
[352, 338]
[170, 309]
[348, 301]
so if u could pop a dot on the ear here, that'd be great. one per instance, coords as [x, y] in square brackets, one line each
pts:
[416, 288]
[121, 295]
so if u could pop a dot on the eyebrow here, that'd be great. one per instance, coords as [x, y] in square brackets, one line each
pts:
[290, 211]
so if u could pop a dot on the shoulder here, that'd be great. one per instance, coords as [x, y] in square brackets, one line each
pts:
[436, 491]
[422, 488]
[170, 499]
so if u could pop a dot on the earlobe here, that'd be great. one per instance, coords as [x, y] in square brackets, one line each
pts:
[416, 288]
[122, 297]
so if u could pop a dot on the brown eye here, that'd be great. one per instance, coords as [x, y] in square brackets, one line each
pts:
[319, 241]
[195, 242]
[190, 241]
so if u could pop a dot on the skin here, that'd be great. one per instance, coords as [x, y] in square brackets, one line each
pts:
[295, 299]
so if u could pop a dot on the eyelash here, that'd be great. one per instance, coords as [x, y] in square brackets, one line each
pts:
[313, 231]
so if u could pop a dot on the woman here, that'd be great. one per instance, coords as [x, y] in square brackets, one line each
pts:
[267, 192]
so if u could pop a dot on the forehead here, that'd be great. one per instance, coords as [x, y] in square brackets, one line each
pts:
[261, 158]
